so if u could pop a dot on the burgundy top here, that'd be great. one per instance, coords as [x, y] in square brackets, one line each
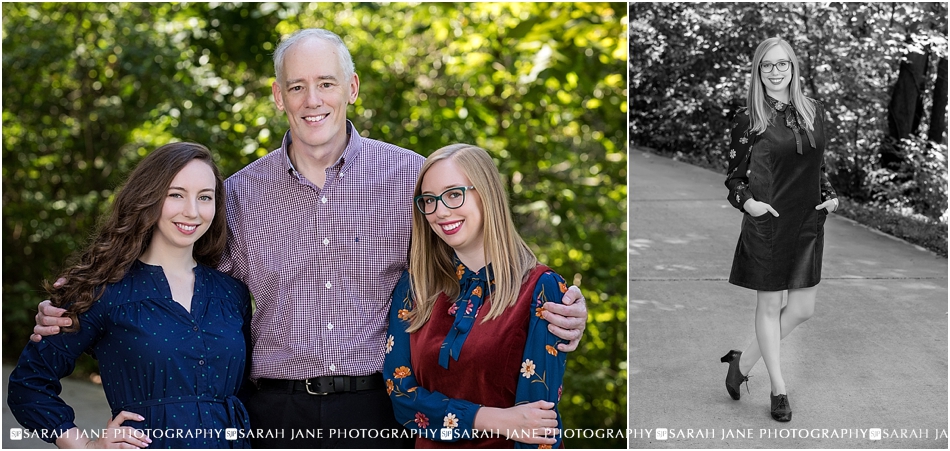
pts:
[487, 372]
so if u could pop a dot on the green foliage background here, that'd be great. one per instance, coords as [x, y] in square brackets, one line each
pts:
[90, 88]
[690, 70]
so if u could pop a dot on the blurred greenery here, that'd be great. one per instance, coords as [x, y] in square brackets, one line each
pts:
[690, 70]
[89, 88]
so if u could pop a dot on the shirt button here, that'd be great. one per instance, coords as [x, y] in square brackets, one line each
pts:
[195, 328]
[326, 241]
[201, 362]
[329, 285]
[330, 326]
[332, 367]
[323, 199]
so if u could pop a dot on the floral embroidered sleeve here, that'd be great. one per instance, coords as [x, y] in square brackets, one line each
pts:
[542, 365]
[740, 146]
[827, 191]
[415, 407]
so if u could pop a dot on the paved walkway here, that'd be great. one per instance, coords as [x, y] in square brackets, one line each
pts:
[873, 356]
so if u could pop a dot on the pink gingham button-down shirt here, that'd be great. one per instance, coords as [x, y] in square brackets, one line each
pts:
[321, 262]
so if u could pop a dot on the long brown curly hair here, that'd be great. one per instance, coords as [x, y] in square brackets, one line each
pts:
[127, 230]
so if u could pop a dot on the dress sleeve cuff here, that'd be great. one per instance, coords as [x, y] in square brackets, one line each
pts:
[464, 418]
[51, 435]
[740, 195]
[827, 195]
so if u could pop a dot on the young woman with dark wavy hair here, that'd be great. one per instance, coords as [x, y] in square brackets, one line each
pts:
[171, 333]
[776, 177]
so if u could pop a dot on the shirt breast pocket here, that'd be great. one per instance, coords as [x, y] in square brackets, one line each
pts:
[370, 260]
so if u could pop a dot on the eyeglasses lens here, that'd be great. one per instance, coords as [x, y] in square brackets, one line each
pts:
[782, 66]
[452, 198]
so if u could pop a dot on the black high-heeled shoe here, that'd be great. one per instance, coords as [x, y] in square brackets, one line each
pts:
[734, 377]
[781, 410]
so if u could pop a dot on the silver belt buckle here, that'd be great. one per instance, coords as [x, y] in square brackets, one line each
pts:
[313, 392]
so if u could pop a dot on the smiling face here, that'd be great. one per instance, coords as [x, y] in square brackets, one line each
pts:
[776, 82]
[315, 93]
[188, 208]
[462, 227]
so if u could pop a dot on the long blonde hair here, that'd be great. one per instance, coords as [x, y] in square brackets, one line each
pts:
[431, 266]
[759, 110]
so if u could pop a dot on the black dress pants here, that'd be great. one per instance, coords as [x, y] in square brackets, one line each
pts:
[362, 419]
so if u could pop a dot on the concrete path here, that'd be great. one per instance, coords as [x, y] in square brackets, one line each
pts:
[86, 398]
[873, 356]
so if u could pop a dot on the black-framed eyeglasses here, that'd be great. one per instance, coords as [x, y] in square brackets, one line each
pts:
[452, 198]
[782, 66]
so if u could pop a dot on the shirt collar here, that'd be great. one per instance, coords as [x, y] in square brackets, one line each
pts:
[777, 105]
[793, 121]
[464, 273]
[353, 145]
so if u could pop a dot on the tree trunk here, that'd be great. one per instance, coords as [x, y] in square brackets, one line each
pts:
[906, 107]
[938, 115]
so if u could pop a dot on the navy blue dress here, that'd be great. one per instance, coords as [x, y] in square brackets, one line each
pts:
[180, 370]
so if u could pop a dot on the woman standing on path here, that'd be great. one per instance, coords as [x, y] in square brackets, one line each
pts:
[776, 177]
[171, 333]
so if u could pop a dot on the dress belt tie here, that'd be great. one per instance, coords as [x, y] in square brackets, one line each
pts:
[237, 414]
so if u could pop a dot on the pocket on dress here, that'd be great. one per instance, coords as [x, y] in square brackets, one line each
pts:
[822, 216]
[753, 260]
[763, 218]
[760, 226]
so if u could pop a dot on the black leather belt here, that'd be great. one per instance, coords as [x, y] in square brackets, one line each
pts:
[324, 385]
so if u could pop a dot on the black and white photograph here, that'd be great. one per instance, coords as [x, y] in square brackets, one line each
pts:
[788, 225]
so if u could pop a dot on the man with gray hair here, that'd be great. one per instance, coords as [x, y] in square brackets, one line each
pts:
[319, 232]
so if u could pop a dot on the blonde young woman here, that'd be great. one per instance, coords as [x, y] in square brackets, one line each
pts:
[469, 354]
[776, 177]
